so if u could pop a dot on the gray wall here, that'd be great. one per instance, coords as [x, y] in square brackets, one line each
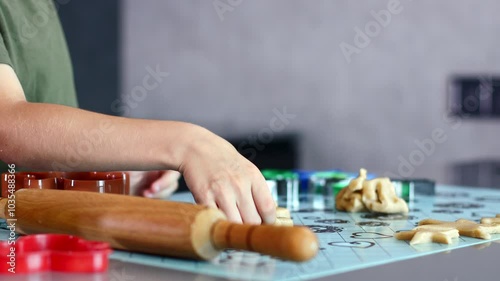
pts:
[229, 72]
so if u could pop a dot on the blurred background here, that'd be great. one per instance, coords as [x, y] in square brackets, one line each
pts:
[403, 88]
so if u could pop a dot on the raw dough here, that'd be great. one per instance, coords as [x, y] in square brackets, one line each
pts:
[429, 233]
[284, 222]
[377, 195]
[491, 220]
[467, 227]
[283, 217]
[430, 230]
[282, 212]
[349, 198]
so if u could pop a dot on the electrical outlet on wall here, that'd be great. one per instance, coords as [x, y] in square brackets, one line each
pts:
[474, 96]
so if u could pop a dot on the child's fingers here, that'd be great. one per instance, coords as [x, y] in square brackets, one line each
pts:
[165, 192]
[247, 209]
[264, 202]
[227, 204]
[164, 185]
[167, 179]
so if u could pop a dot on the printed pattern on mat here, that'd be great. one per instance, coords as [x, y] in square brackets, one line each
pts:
[348, 241]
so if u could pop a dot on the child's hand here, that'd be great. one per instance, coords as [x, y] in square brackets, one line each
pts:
[218, 176]
[154, 184]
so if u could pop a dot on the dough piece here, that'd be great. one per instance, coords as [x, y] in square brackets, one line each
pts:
[282, 212]
[491, 220]
[380, 196]
[467, 227]
[349, 201]
[430, 230]
[283, 217]
[284, 222]
[377, 195]
[429, 233]
[349, 198]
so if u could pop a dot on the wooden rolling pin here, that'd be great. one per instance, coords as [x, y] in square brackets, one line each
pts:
[153, 226]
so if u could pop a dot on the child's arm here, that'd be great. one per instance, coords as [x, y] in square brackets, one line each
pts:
[55, 137]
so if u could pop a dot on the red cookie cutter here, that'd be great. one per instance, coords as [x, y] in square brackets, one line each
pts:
[53, 252]
[102, 182]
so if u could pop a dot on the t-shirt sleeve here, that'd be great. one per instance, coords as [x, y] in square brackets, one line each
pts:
[4, 55]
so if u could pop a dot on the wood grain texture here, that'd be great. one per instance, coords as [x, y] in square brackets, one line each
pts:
[126, 222]
[288, 243]
[3, 208]
[154, 226]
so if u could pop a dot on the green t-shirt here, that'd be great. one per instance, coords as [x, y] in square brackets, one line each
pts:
[32, 42]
